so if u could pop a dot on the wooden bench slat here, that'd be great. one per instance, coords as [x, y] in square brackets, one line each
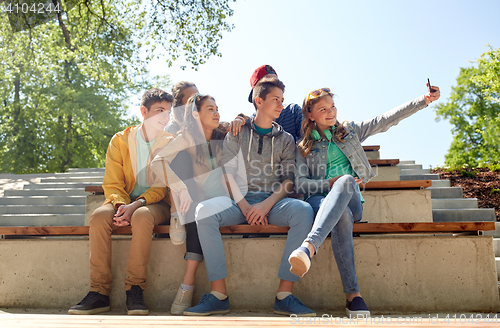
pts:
[371, 148]
[360, 228]
[384, 162]
[403, 184]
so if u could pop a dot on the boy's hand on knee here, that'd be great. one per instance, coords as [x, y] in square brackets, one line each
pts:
[257, 213]
[124, 213]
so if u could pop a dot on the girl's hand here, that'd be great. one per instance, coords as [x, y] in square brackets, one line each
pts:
[236, 124]
[244, 206]
[358, 181]
[332, 181]
[185, 201]
[432, 96]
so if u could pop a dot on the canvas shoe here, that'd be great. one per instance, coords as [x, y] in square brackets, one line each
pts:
[93, 303]
[292, 305]
[357, 307]
[177, 230]
[209, 304]
[182, 301]
[300, 262]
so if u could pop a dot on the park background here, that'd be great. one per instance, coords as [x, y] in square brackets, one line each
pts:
[374, 55]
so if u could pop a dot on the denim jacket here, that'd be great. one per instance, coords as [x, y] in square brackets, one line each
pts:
[311, 170]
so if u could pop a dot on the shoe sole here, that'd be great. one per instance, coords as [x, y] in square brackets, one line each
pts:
[137, 312]
[298, 261]
[206, 313]
[178, 311]
[313, 314]
[356, 313]
[89, 312]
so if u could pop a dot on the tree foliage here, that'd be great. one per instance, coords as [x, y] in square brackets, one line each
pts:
[66, 80]
[489, 80]
[475, 116]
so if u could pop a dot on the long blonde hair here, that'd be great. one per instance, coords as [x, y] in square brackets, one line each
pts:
[307, 126]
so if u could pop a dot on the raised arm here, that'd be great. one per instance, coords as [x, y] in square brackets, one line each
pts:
[383, 122]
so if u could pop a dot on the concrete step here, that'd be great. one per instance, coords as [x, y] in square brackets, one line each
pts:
[35, 220]
[79, 174]
[406, 162]
[496, 246]
[497, 262]
[43, 200]
[46, 192]
[446, 192]
[419, 176]
[441, 183]
[84, 179]
[60, 185]
[99, 169]
[414, 171]
[409, 166]
[464, 215]
[495, 233]
[42, 209]
[454, 203]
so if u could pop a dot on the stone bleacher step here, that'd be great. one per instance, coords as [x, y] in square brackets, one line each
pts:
[409, 166]
[85, 179]
[497, 262]
[496, 246]
[463, 215]
[46, 192]
[35, 220]
[76, 175]
[430, 176]
[454, 203]
[43, 200]
[406, 162]
[441, 183]
[98, 169]
[495, 233]
[60, 185]
[446, 192]
[414, 171]
[42, 209]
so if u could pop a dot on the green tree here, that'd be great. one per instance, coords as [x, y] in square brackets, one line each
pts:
[489, 80]
[475, 120]
[66, 79]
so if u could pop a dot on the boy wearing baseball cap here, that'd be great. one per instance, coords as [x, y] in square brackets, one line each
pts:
[291, 116]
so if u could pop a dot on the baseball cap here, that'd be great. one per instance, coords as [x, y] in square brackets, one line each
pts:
[257, 75]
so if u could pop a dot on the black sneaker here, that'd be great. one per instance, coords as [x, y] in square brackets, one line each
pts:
[93, 303]
[135, 302]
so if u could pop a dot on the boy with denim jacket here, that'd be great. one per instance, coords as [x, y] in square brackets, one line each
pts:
[268, 155]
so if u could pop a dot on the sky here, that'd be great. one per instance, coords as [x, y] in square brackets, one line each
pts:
[374, 55]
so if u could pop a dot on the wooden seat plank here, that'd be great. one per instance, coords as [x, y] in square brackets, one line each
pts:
[360, 228]
[384, 162]
[373, 185]
[371, 148]
[398, 184]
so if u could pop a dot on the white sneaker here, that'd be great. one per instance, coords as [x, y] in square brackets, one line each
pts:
[182, 301]
[177, 230]
[300, 263]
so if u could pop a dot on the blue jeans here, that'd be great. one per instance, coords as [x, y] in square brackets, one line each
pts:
[223, 211]
[336, 212]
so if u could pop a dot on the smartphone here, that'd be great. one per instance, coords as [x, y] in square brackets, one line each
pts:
[429, 85]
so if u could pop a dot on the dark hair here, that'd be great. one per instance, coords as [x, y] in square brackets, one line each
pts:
[264, 86]
[307, 126]
[155, 95]
[178, 106]
[178, 91]
[190, 125]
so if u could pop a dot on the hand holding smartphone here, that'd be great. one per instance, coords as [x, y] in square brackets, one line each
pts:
[429, 85]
